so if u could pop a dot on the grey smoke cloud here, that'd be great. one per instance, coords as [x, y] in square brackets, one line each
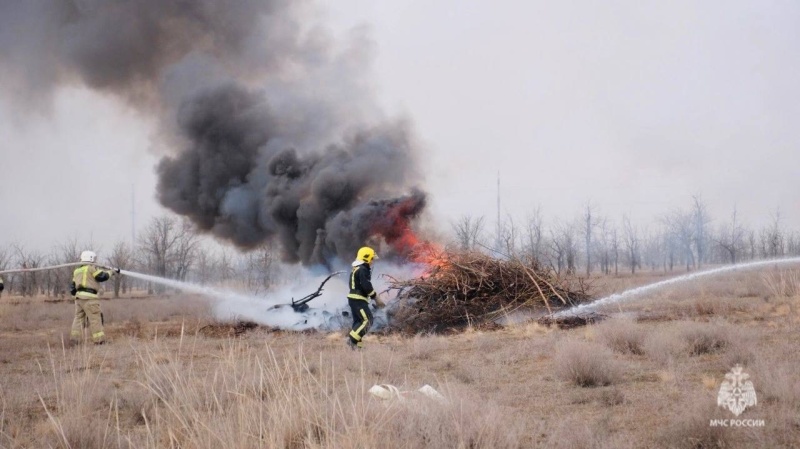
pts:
[124, 47]
[269, 122]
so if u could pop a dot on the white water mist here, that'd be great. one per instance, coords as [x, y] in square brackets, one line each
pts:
[627, 295]
[229, 304]
[325, 312]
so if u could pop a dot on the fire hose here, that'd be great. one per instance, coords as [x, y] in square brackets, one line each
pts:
[52, 267]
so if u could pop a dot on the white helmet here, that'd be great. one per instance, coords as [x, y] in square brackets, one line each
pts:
[88, 256]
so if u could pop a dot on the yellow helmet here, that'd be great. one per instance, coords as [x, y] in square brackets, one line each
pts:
[366, 254]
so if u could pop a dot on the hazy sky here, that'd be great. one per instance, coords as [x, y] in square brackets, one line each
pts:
[633, 106]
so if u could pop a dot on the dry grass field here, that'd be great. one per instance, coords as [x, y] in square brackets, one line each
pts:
[173, 378]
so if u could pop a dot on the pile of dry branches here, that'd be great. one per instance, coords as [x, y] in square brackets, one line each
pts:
[464, 288]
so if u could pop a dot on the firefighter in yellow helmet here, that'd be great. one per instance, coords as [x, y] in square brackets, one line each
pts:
[361, 292]
[85, 285]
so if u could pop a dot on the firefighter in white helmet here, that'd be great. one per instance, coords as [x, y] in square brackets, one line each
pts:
[361, 292]
[85, 285]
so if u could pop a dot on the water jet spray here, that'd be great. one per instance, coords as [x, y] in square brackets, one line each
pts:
[634, 292]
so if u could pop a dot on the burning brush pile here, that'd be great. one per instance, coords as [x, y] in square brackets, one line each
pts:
[471, 288]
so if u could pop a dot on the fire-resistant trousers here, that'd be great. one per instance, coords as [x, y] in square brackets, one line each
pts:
[87, 309]
[362, 320]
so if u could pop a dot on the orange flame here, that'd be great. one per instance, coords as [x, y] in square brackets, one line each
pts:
[417, 250]
[394, 225]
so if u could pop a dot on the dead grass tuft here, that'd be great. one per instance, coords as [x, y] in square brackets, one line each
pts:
[623, 336]
[709, 306]
[612, 397]
[739, 350]
[775, 376]
[690, 428]
[579, 434]
[782, 283]
[586, 365]
[704, 338]
[76, 431]
[428, 347]
[453, 425]
[664, 346]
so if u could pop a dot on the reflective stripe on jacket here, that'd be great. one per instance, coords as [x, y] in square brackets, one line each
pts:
[87, 281]
[361, 283]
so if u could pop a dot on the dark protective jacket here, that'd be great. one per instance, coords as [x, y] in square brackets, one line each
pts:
[361, 283]
[86, 281]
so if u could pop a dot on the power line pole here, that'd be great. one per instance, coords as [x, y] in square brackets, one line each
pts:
[133, 215]
[498, 244]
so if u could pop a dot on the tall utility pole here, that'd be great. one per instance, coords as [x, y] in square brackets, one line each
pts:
[133, 216]
[497, 237]
[588, 239]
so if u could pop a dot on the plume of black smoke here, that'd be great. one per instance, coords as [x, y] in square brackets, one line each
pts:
[271, 127]
[242, 180]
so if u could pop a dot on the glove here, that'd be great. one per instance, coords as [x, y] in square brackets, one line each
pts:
[73, 290]
[116, 270]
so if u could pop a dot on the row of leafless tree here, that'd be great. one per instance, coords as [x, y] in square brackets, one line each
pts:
[685, 238]
[171, 247]
[168, 247]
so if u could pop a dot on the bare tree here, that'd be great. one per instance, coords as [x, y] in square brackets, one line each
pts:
[468, 231]
[557, 252]
[772, 237]
[185, 248]
[731, 238]
[671, 246]
[533, 240]
[564, 245]
[224, 265]
[615, 250]
[588, 229]
[700, 220]
[793, 243]
[158, 244]
[260, 264]
[507, 237]
[121, 257]
[28, 259]
[631, 240]
[655, 251]
[52, 279]
[604, 246]
[67, 251]
[681, 226]
[205, 266]
[751, 244]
